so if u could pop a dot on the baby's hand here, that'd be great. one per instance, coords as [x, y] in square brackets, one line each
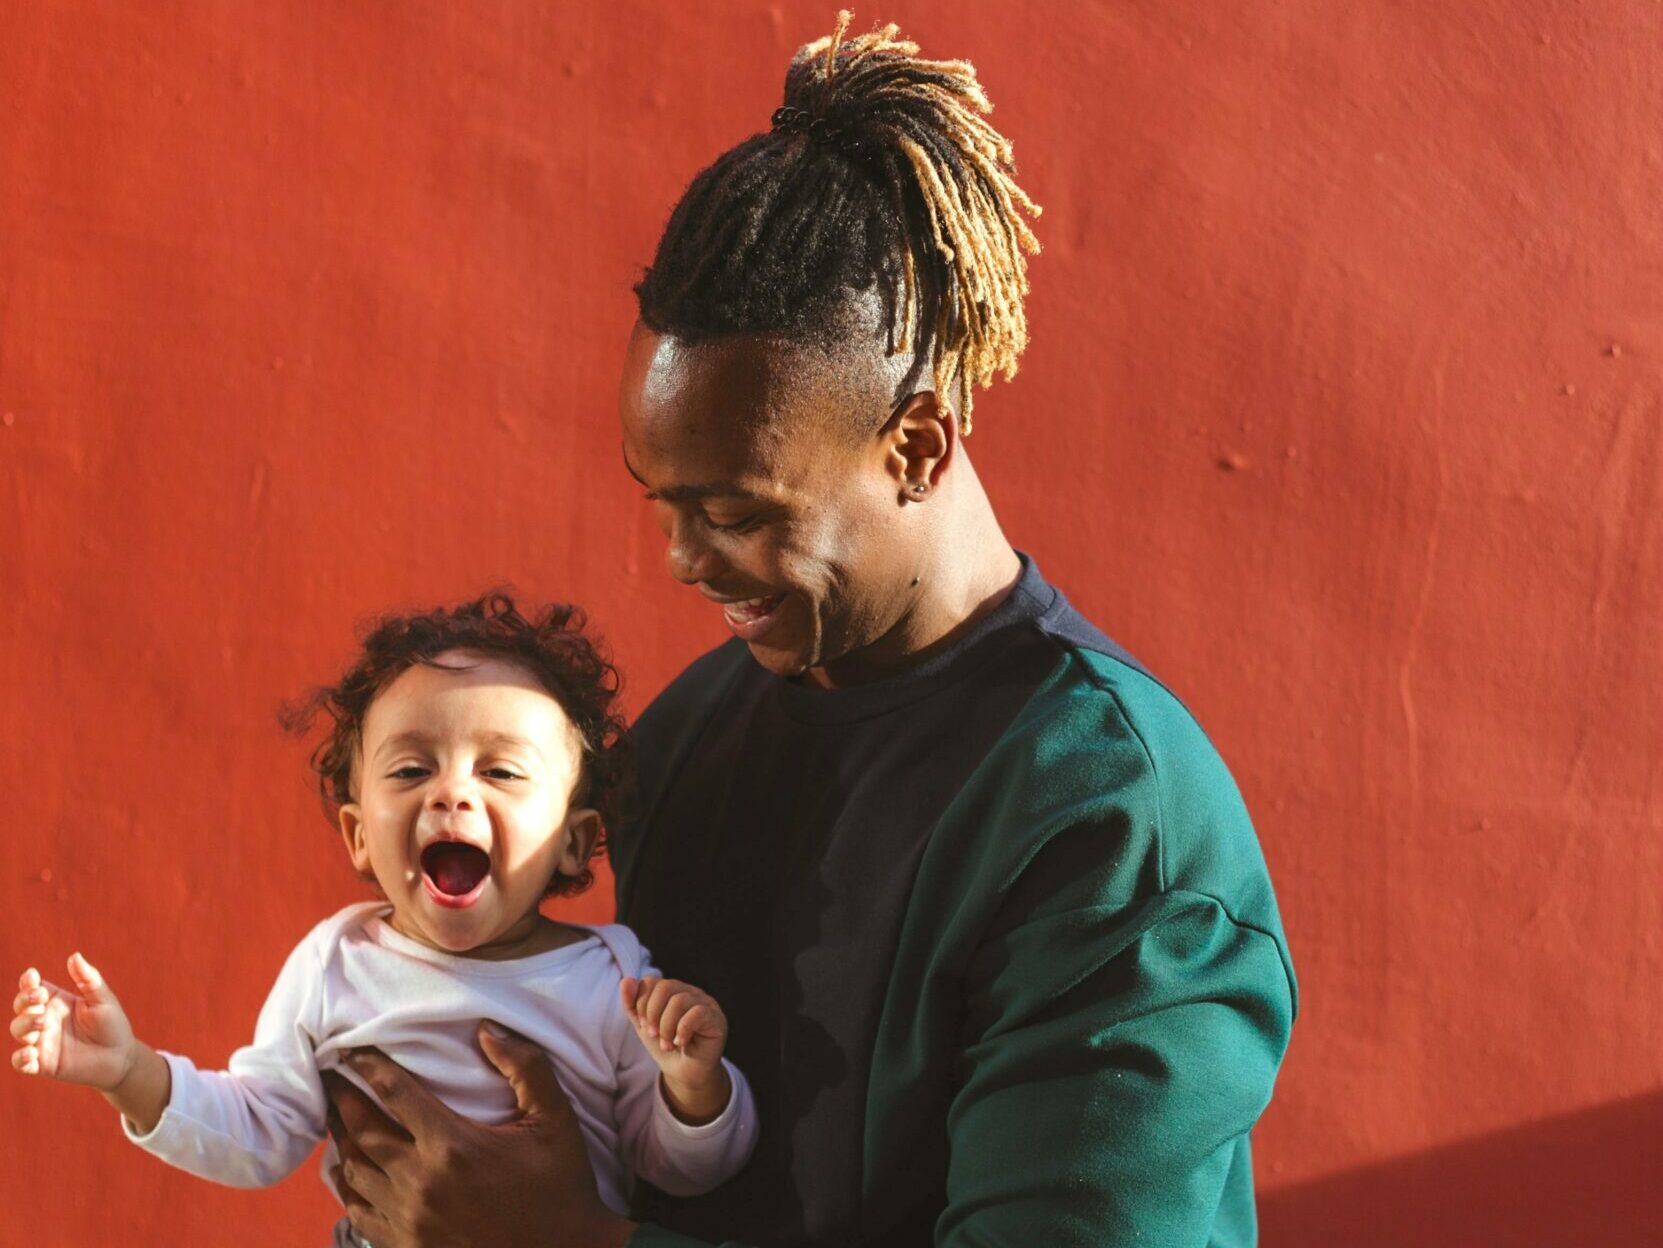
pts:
[685, 1031]
[82, 1038]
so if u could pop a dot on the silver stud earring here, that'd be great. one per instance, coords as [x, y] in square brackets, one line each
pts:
[920, 489]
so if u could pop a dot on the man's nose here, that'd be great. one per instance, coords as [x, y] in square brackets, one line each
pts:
[689, 556]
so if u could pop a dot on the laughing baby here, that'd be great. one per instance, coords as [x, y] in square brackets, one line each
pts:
[473, 760]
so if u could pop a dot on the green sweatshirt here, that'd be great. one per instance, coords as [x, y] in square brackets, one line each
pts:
[1084, 996]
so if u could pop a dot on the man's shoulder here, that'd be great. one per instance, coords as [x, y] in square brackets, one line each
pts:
[1106, 760]
[694, 693]
[1100, 702]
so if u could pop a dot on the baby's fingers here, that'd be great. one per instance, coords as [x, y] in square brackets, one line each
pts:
[26, 1060]
[88, 980]
[700, 1020]
[647, 1009]
[30, 991]
[674, 1011]
[26, 1027]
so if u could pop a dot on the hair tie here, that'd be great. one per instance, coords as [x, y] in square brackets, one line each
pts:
[821, 132]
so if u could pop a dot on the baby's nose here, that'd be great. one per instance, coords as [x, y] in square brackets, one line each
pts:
[452, 795]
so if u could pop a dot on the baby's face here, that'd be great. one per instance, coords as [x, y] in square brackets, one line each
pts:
[464, 781]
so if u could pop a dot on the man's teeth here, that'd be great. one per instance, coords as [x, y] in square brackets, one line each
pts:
[751, 608]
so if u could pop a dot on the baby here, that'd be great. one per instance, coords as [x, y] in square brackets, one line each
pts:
[473, 761]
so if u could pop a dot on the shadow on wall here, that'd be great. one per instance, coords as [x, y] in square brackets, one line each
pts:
[1591, 1178]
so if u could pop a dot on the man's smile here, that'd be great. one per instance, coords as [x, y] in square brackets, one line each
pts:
[750, 618]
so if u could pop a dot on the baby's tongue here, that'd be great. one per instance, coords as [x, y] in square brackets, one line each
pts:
[454, 868]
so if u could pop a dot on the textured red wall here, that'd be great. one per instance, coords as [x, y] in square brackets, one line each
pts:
[1342, 410]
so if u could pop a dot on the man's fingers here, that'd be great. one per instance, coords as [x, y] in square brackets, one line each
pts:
[628, 986]
[359, 1128]
[528, 1071]
[368, 1181]
[352, 1115]
[363, 1215]
[409, 1102]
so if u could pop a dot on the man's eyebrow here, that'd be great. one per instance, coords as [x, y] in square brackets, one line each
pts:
[693, 493]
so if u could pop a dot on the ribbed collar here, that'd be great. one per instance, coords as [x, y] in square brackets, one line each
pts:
[1029, 599]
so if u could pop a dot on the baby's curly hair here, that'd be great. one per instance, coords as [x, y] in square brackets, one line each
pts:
[550, 645]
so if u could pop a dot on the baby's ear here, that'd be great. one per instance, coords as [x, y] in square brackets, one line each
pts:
[583, 830]
[352, 832]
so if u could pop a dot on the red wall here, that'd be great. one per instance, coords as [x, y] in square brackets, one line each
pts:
[1342, 410]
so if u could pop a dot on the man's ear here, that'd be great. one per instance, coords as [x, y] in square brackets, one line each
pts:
[583, 830]
[920, 438]
[352, 832]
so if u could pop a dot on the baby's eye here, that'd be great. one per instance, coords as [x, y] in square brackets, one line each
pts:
[501, 773]
[410, 771]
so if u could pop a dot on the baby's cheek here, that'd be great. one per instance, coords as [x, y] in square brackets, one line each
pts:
[531, 861]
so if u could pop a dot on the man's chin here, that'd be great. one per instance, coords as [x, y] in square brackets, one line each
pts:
[781, 661]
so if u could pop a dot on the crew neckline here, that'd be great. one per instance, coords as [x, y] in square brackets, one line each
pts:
[383, 933]
[1029, 600]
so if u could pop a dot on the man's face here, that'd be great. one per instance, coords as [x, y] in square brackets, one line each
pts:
[785, 521]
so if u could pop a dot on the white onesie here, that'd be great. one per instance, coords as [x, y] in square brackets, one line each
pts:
[355, 982]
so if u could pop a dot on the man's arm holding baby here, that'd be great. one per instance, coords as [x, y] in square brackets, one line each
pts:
[84, 1037]
[422, 1176]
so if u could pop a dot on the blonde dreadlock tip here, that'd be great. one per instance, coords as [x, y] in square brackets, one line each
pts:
[844, 17]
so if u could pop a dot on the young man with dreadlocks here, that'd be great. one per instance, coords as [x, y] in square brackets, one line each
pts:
[991, 923]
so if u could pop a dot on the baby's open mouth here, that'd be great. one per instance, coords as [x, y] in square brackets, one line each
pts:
[454, 869]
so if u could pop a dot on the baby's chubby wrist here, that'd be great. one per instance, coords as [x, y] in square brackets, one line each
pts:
[144, 1091]
[698, 1098]
[127, 1063]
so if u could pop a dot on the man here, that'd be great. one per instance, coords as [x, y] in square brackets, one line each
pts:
[994, 934]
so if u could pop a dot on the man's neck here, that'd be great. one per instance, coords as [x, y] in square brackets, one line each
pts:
[969, 569]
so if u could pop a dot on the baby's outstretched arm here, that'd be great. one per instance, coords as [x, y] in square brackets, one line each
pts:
[685, 1031]
[84, 1037]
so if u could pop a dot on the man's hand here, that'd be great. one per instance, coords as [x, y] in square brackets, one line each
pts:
[426, 1177]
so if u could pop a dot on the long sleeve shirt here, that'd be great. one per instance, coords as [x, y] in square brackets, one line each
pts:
[355, 981]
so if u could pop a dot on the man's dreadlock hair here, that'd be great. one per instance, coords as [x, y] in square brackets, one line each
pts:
[880, 170]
